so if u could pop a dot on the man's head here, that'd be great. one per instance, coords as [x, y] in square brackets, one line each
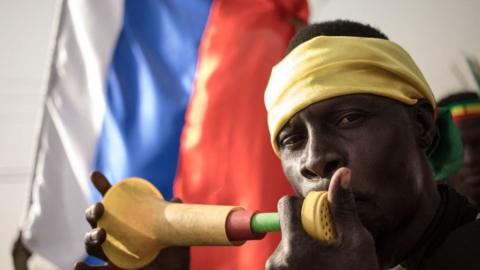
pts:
[335, 28]
[367, 108]
[465, 108]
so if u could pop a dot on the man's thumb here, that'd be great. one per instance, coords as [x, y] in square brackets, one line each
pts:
[342, 200]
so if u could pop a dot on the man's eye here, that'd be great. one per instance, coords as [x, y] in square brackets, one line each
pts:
[291, 140]
[350, 118]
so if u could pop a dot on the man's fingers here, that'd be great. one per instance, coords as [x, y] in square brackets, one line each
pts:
[342, 200]
[293, 235]
[94, 213]
[289, 211]
[93, 243]
[100, 182]
[84, 266]
[173, 256]
[340, 182]
[176, 200]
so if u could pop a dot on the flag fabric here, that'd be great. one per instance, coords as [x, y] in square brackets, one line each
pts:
[73, 111]
[225, 154]
[171, 91]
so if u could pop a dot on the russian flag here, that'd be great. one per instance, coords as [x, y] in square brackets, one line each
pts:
[170, 91]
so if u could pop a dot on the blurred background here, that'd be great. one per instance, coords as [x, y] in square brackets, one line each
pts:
[439, 34]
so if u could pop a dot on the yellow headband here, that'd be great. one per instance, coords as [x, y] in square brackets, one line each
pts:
[330, 66]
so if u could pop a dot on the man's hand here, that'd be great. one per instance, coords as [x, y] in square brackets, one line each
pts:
[20, 254]
[172, 258]
[353, 248]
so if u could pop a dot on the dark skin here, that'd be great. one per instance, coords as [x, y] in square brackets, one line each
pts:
[20, 254]
[368, 152]
[172, 258]
[467, 180]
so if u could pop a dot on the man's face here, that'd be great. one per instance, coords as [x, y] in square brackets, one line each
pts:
[371, 135]
[467, 179]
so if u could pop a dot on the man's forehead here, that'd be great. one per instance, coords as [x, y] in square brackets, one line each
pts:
[350, 101]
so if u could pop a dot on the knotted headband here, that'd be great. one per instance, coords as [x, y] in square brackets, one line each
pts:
[331, 66]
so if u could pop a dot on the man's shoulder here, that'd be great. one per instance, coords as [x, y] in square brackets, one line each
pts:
[460, 250]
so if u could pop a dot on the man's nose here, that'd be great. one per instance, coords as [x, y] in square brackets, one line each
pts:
[320, 162]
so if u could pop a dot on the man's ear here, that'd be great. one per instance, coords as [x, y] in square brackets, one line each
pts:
[425, 128]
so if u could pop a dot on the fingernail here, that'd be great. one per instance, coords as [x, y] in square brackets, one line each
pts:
[345, 178]
[90, 209]
[79, 266]
[94, 234]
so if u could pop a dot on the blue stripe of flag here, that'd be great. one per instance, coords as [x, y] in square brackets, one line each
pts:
[148, 89]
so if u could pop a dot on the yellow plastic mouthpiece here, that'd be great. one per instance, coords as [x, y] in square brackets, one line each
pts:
[316, 216]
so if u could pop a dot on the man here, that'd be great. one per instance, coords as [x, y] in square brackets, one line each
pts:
[349, 112]
[465, 109]
[361, 103]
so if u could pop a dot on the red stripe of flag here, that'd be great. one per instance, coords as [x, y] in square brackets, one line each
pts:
[225, 154]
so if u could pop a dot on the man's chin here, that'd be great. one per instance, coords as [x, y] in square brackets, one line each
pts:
[371, 220]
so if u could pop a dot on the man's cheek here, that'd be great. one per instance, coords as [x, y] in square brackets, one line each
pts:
[294, 177]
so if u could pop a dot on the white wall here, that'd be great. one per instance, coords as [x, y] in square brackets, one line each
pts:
[435, 32]
[25, 32]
